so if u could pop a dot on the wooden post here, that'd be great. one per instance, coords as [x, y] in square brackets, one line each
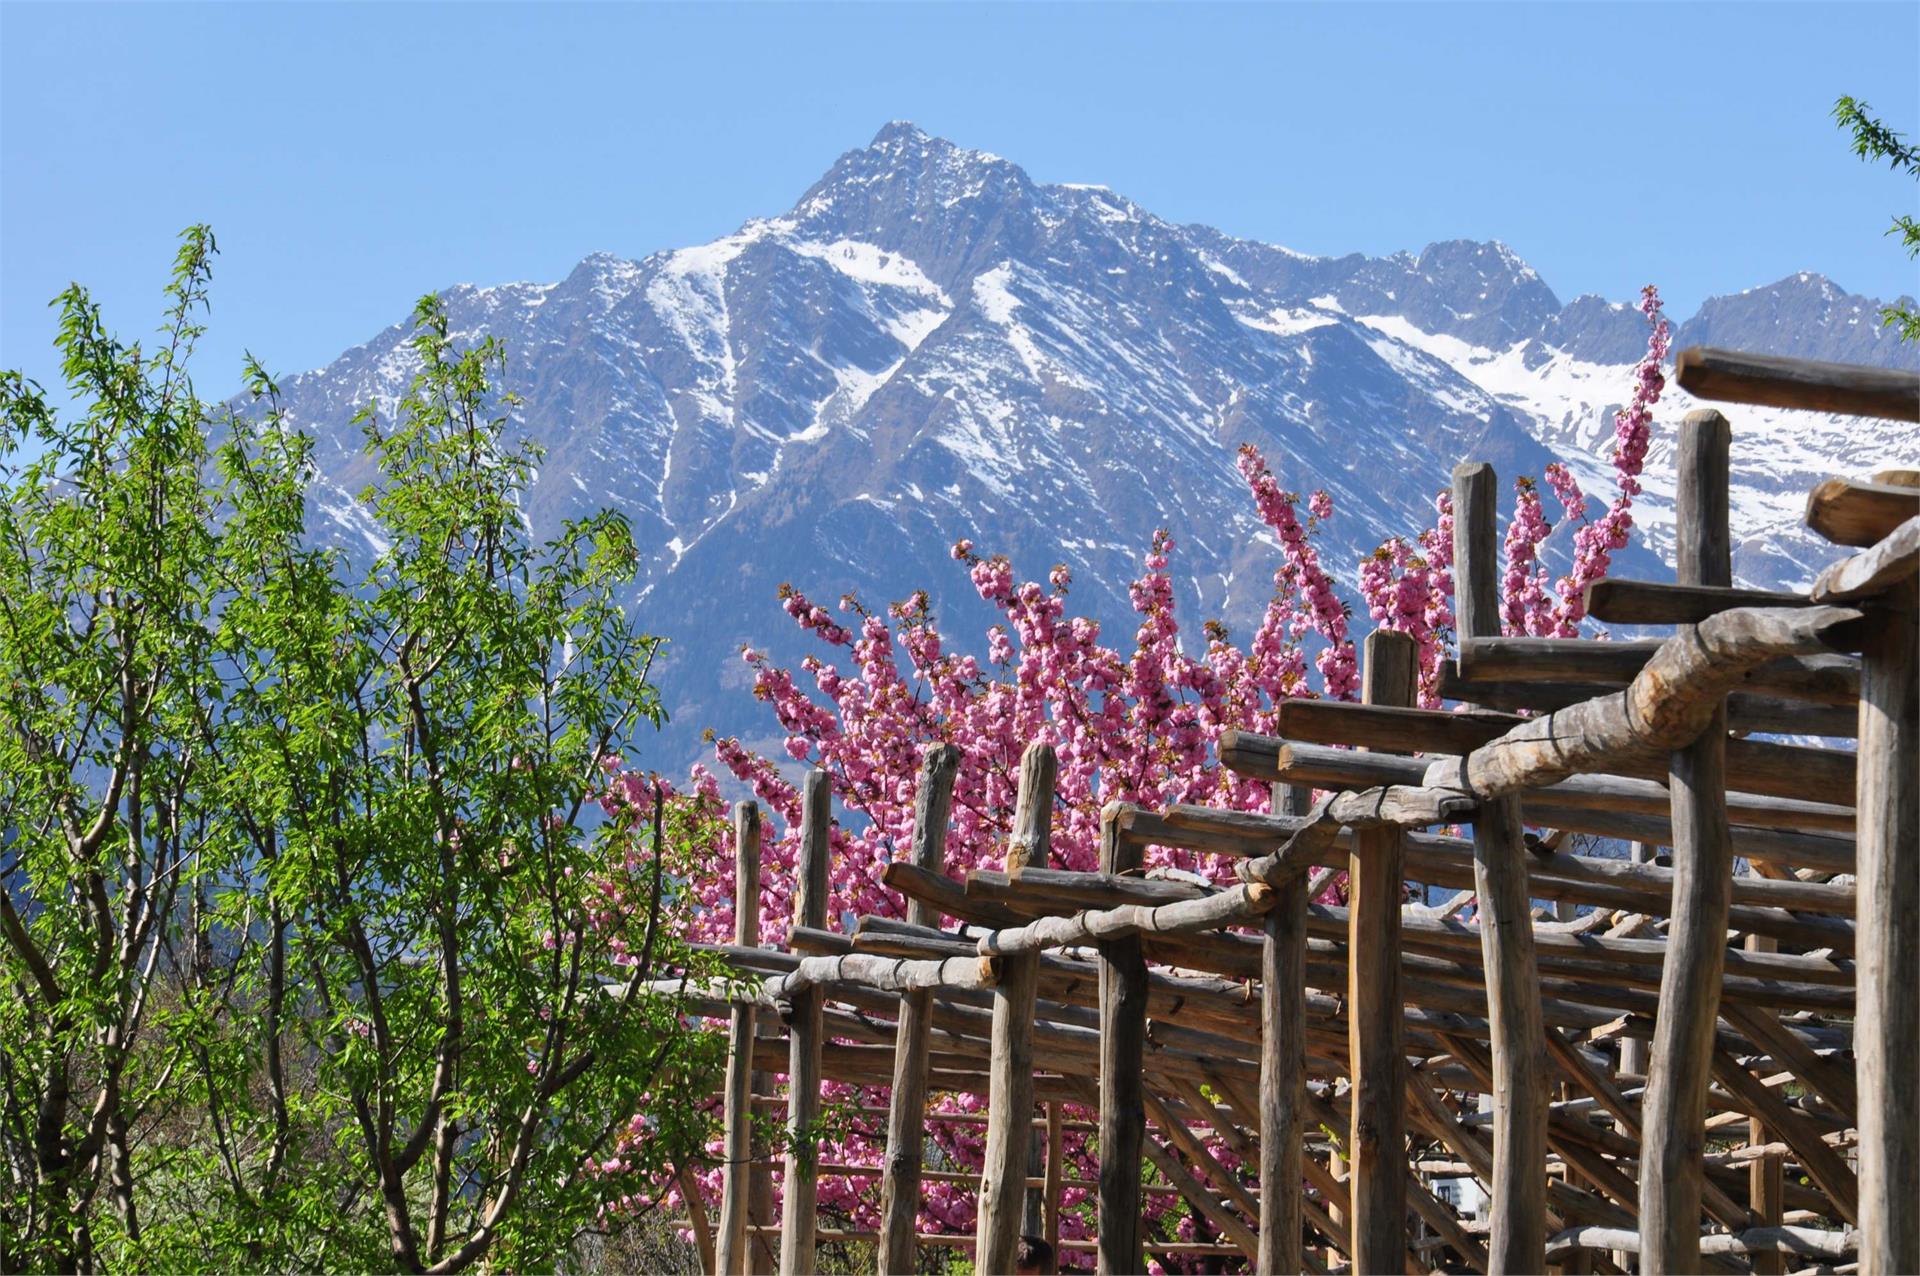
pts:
[1003, 1177]
[1056, 1173]
[762, 1226]
[1673, 1114]
[1283, 1061]
[1518, 1242]
[1633, 1050]
[697, 1220]
[800, 1186]
[1766, 1187]
[1377, 1146]
[737, 1109]
[1123, 1034]
[1886, 1032]
[907, 1106]
[761, 1221]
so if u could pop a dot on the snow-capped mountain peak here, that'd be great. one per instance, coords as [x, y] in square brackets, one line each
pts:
[931, 345]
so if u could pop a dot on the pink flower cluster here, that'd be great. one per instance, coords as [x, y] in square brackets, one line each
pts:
[1411, 589]
[1134, 724]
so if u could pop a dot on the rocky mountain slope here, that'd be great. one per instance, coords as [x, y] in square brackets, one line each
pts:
[930, 345]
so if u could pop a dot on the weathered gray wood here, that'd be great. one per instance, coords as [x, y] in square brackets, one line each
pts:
[1824, 1165]
[1634, 1050]
[1518, 1240]
[762, 1225]
[737, 1107]
[1283, 1061]
[1765, 1178]
[1812, 675]
[1235, 905]
[907, 1102]
[1645, 602]
[1003, 1176]
[1673, 1111]
[1055, 1177]
[1887, 1026]
[1804, 1242]
[1669, 700]
[1440, 861]
[1735, 376]
[1745, 712]
[1759, 767]
[1500, 872]
[697, 1220]
[1538, 758]
[1860, 512]
[1886, 565]
[799, 1185]
[1123, 1026]
[1226, 1221]
[888, 974]
[1377, 1145]
[1033, 809]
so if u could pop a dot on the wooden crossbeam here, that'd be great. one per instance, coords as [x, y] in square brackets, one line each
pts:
[1734, 376]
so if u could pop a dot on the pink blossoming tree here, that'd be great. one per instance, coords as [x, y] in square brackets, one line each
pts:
[1133, 724]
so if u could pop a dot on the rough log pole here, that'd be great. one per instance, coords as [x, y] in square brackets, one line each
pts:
[804, 1039]
[763, 1227]
[1765, 1183]
[737, 1117]
[1003, 1177]
[1283, 1060]
[906, 1108]
[1056, 1175]
[1673, 1113]
[1123, 1032]
[1633, 1050]
[1886, 1035]
[1377, 1145]
[1518, 1242]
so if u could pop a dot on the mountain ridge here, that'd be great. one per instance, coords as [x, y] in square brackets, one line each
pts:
[930, 345]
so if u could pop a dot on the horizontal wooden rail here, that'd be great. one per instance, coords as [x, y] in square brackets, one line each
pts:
[1734, 376]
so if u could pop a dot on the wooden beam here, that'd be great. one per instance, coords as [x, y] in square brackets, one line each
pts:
[1802, 1242]
[1886, 565]
[1637, 884]
[1735, 376]
[1646, 602]
[1283, 1061]
[737, 1107]
[1817, 678]
[1673, 1110]
[697, 1220]
[1886, 1039]
[1123, 1027]
[1003, 1177]
[895, 1254]
[1823, 1164]
[1500, 874]
[1860, 512]
[1766, 1181]
[1760, 767]
[805, 1038]
[1557, 761]
[1377, 1145]
[1056, 1175]
[1745, 711]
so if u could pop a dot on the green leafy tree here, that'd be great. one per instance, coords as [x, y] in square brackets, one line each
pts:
[326, 947]
[1873, 141]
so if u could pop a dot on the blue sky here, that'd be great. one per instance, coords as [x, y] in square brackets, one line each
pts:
[352, 157]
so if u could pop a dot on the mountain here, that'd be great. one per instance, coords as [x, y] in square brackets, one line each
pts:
[930, 345]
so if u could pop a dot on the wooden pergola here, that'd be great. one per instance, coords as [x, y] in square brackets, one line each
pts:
[1714, 1067]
